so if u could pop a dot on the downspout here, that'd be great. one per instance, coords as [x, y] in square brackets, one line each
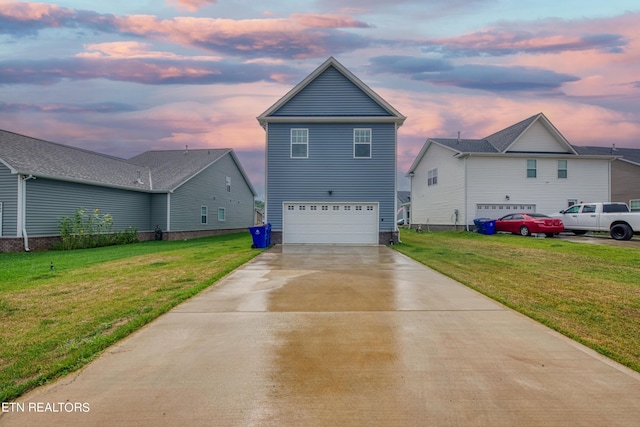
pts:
[169, 211]
[265, 218]
[466, 221]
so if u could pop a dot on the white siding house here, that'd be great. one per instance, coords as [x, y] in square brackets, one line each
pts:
[527, 167]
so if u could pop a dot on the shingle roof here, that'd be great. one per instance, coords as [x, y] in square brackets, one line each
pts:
[404, 197]
[630, 154]
[37, 157]
[501, 140]
[151, 171]
[171, 168]
[467, 145]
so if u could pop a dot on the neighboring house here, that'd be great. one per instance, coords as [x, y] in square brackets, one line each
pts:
[625, 173]
[331, 161]
[527, 167]
[186, 193]
[404, 206]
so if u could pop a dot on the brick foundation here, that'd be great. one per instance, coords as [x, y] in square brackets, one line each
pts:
[43, 243]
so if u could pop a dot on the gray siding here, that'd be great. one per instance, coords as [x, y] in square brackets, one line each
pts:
[159, 211]
[331, 166]
[208, 188]
[49, 200]
[625, 181]
[331, 94]
[9, 200]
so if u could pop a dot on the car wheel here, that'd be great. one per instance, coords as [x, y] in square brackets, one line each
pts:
[549, 234]
[621, 232]
[579, 232]
[524, 231]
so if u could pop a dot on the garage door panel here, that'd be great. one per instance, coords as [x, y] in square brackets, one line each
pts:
[330, 223]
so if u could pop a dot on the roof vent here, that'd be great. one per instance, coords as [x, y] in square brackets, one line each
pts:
[458, 136]
[139, 177]
[186, 149]
[613, 147]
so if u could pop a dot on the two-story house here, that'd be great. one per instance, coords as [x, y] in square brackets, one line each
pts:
[331, 161]
[526, 167]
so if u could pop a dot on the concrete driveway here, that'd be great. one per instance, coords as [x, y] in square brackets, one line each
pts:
[339, 336]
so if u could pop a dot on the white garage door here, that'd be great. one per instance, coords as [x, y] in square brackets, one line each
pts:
[498, 210]
[330, 223]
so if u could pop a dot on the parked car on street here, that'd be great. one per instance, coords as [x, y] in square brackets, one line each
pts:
[527, 224]
[612, 217]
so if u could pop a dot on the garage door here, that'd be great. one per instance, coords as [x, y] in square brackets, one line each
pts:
[498, 210]
[330, 223]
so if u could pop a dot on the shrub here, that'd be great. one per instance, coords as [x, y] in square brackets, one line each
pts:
[90, 230]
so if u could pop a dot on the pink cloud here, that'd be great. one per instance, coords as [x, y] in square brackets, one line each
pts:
[132, 49]
[191, 5]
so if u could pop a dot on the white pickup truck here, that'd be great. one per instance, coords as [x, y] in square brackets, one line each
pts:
[612, 217]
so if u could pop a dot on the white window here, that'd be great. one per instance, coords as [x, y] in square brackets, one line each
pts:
[227, 182]
[314, 208]
[432, 177]
[300, 143]
[362, 143]
[204, 214]
[336, 208]
[562, 169]
[358, 208]
[222, 214]
[634, 205]
[532, 171]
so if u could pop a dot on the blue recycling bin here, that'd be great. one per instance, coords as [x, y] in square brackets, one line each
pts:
[490, 227]
[485, 225]
[261, 235]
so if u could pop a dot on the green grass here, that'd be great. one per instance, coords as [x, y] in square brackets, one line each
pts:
[590, 293]
[53, 321]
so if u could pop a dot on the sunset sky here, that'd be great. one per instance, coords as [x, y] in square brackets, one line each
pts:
[123, 76]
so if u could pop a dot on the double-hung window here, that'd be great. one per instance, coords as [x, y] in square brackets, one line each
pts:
[562, 169]
[634, 205]
[227, 183]
[432, 177]
[204, 214]
[222, 214]
[300, 143]
[532, 168]
[362, 143]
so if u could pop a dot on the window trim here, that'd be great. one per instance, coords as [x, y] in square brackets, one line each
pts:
[565, 169]
[368, 143]
[224, 214]
[636, 208]
[204, 215]
[227, 183]
[534, 169]
[432, 177]
[305, 143]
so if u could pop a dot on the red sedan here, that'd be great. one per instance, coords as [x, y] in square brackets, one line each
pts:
[526, 224]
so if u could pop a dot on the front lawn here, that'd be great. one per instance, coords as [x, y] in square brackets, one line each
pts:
[590, 293]
[60, 309]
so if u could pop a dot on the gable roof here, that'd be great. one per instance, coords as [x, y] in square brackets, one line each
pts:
[31, 156]
[171, 169]
[500, 142]
[153, 171]
[393, 114]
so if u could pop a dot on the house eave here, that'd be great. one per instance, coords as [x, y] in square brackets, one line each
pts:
[87, 182]
[529, 155]
[263, 120]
